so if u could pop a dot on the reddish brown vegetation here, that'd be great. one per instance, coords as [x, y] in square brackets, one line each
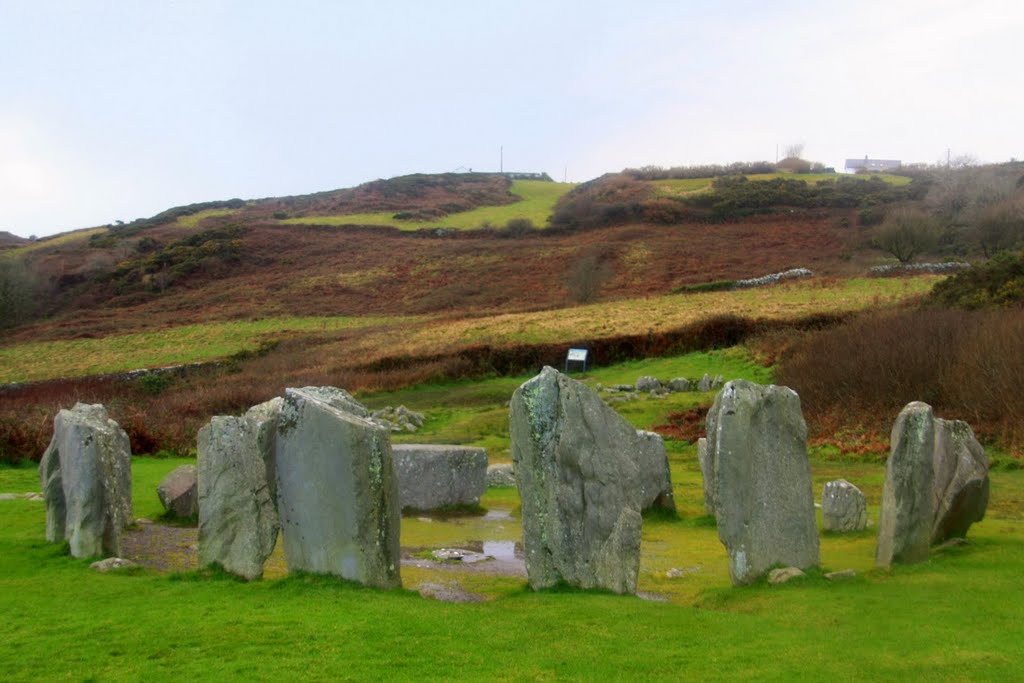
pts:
[686, 425]
[967, 365]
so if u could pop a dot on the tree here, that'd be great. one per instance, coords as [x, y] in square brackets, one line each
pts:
[905, 233]
[588, 274]
[794, 150]
[1000, 227]
[18, 292]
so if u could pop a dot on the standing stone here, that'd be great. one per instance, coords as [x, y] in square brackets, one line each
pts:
[960, 489]
[86, 476]
[238, 524]
[843, 507]
[655, 475]
[179, 492]
[705, 383]
[707, 473]
[757, 445]
[432, 476]
[648, 383]
[576, 468]
[337, 493]
[908, 507]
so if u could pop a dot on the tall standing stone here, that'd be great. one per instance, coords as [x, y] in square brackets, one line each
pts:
[707, 473]
[960, 488]
[757, 445]
[655, 475]
[908, 507]
[337, 493]
[843, 507]
[576, 465]
[238, 523]
[86, 476]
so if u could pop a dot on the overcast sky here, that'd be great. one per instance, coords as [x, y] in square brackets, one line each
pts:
[117, 110]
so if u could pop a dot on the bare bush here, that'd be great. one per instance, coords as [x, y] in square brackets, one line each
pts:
[587, 275]
[905, 233]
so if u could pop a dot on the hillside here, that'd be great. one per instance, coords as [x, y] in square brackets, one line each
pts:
[8, 240]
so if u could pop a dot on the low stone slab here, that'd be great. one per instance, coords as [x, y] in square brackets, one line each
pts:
[112, 564]
[501, 475]
[757, 446]
[337, 492]
[576, 463]
[655, 476]
[86, 476]
[238, 523]
[843, 507]
[960, 488]
[908, 506]
[785, 575]
[179, 492]
[437, 476]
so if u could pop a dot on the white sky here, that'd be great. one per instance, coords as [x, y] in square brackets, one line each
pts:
[117, 110]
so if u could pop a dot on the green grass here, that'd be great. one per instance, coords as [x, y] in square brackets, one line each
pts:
[193, 220]
[538, 200]
[955, 617]
[55, 241]
[684, 186]
[475, 413]
[186, 344]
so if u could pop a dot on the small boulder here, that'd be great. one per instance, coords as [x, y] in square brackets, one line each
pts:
[843, 507]
[784, 575]
[435, 476]
[112, 563]
[961, 486]
[841, 575]
[679, 384]
[500, 476]
[179, 492]
[908, 507]
[648, 383]
[705, 383]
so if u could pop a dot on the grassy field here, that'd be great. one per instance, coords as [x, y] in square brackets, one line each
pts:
[684, 186]
[64, 621]
[187, 344]
[57, 240]
[538, 199]
[193, 220]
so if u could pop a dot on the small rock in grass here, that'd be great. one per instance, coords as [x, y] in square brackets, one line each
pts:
[9, 496]
[784, 574]
[841, 574]
[111, 564]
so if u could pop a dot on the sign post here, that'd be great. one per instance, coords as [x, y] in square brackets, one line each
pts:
[576, 356]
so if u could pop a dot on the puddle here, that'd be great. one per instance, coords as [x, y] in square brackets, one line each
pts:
[504, 551]
[498, 515]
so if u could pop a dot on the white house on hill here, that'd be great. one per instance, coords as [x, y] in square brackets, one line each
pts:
[872, 165]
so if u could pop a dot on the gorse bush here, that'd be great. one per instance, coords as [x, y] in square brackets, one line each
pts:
[997, 282]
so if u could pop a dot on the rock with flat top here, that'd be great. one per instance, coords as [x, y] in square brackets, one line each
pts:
[500, 475]
[577, 468]
[436, 476]
[337, 494]
[757, 447]
[784, 575]
[112, 564]
[179, 492]
[86, 476]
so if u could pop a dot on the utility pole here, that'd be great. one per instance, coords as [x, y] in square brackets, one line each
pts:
[565, 174]
[501, 159]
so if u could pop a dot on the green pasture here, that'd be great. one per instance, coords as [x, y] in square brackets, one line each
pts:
[684, 186]
[55, 241]
[538, 198]
[186, 344]
[193, 220]
[954, 617]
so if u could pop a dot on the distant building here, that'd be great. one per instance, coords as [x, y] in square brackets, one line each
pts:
[872, 165]
[518, 175]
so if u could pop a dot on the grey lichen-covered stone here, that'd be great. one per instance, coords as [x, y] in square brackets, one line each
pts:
[785, 575]
[707, 473]
[648, 383]
[113, 564]
[679, 384]
[576, 465]
[655, 476]
[238, 523]
[437, 476]
[960, 487]
[757, 446]
[705, 383]
[501, 475]
[337, 493]
[179, 491]
[843, 507]
[86, 476]
[908, 507]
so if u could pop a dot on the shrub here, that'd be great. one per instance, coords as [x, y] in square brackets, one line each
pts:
[998, 282]
[905, 233]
